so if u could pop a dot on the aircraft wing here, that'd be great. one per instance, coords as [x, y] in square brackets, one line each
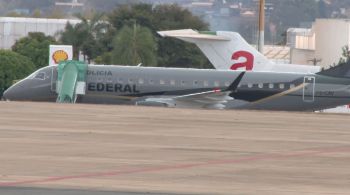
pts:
[214, 99]
[209, 99]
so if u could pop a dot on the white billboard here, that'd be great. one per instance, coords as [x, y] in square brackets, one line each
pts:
[60, 53]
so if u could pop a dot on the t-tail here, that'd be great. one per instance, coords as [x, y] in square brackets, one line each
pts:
[228, 50]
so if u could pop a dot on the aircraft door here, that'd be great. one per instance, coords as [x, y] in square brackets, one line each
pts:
[54, 76]
[309, 89]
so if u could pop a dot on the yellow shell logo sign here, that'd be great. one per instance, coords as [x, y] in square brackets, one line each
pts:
[59, 56]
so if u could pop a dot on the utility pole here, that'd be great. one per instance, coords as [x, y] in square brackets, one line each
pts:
[261, 26]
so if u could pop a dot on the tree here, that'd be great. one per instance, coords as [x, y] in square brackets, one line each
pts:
[36, 47]
[171, 52]
[71, 36]
[36, 13]
[134, 45]
[15, 14]
[13, 66]
[142, 14]
[57, 13]
[172, 16]
[176, 53]
[345, 58]
[87, 36]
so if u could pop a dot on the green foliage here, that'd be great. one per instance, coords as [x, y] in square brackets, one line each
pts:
[57, 13]
[176, 53]
[88, 36]
[172, 16]
[171, 52]
[36, 13]
[15, 14]
[345, 55]
[13, 66]
[116, 42]
[105, 58]
[134, 45]
[142, 14]
[36, 47]
[70, 36]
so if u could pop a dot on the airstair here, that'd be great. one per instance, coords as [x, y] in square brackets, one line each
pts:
[71, 81]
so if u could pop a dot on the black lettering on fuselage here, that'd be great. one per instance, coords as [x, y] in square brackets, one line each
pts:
[127, 88]
[134, 89]
[92, 87]
[100, 86]
[109, 87]
[118, 87]
[99, 73]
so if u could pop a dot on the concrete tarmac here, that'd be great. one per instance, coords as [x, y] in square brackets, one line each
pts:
[45, 191]
[101, 149]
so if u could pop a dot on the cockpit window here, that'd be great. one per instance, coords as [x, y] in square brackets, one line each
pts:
[40, 75]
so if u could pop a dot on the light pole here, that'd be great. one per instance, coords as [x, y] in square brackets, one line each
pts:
[261, 26]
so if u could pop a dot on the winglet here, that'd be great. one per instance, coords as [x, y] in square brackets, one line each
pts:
[235, 83]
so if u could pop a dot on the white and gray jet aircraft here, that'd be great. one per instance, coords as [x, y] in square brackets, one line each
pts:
[194, 88]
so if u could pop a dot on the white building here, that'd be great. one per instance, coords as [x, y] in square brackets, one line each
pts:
[322, 43]
[12, 29]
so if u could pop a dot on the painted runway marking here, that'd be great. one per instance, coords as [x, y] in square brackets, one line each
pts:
[255, 158]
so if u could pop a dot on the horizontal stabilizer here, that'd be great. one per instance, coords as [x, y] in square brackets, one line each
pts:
[188, 34]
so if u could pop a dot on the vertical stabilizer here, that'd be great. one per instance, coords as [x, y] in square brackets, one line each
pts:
[228, 50]
[225, 50]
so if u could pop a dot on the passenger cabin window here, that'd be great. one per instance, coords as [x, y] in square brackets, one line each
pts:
[250, 85]
[260, 85]
[131, 81]
[271, 86]
[227, 83]
[281, 86]
[151, 82]
[141, 81]
[162, 82]
[205, 83]
[172, 82]
[109, 80]
[183, 83]
[195, 83]
[120, 80]
[291, 86]
[40, 76]
[216, 83]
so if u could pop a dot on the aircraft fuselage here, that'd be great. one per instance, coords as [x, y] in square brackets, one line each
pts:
[256, 90]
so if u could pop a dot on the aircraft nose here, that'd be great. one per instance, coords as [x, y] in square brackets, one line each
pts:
[12, 93]
[5, 95]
